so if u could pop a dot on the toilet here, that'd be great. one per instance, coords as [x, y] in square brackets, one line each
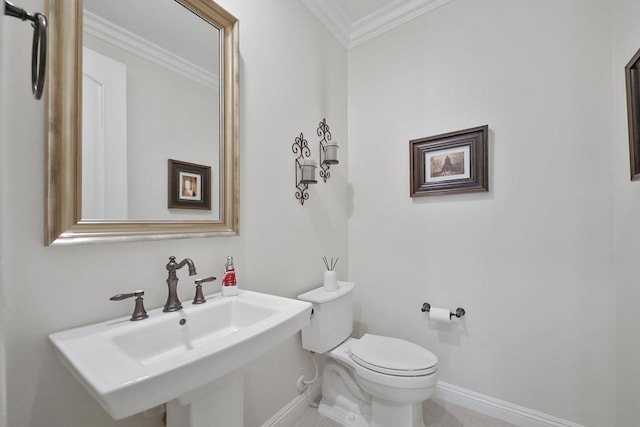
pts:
[373, 381]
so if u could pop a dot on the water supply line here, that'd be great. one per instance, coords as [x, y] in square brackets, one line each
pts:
[303, 384]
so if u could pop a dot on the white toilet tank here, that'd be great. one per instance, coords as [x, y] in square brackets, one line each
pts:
[331, 319]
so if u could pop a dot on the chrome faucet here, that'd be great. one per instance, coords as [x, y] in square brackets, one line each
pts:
[173, 303]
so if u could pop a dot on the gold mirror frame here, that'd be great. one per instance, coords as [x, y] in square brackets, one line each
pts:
[63, 159]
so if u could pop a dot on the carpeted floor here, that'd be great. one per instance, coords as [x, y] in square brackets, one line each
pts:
[436, 413]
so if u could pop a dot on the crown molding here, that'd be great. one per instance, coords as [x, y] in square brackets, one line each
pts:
[333, 16]
[136, 45]
[352, 34]
[389, 17]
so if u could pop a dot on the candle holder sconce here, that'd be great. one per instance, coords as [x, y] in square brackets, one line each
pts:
[328, 150]
[305, 168]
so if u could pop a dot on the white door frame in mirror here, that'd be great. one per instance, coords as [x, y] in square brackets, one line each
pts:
[63, 159]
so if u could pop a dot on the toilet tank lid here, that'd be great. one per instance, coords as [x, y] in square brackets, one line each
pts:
[319, 295]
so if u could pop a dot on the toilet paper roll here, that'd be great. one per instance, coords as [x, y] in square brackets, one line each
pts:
[440, 314]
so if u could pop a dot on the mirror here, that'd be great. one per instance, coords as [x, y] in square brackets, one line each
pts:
[147, 96]
[158, 160]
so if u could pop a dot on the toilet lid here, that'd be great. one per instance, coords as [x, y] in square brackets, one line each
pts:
[393, 356]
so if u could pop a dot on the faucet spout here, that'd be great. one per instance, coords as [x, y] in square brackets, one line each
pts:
[173, 303]
[187, 261]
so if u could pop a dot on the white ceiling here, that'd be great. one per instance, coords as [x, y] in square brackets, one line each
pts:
[354, 22]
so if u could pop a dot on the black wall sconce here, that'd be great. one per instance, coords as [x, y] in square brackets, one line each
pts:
[305, 168]
[328, 150]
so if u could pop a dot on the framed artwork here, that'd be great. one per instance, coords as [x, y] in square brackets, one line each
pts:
[189, 186]
[451, 163]
[632, 74]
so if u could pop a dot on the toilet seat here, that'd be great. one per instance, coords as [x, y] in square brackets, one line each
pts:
[393, 356]
[415, 381]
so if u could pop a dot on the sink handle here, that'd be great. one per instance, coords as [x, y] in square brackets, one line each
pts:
[199, 298]
[120, 297]
[139, 312]
[206, 279]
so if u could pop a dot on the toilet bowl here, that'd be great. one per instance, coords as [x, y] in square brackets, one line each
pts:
[391, 389]
[373, 381]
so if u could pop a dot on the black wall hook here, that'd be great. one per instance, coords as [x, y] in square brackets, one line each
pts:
[39, 46]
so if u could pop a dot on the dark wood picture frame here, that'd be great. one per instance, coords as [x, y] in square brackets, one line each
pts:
[632, 76]
[189, 185]
[451, 163]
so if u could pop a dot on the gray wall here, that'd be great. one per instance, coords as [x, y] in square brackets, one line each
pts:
[532, 260]
[627, 233]
[287, 87]
[541, 263]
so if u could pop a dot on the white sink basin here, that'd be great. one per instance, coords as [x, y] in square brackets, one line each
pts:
[130, 367]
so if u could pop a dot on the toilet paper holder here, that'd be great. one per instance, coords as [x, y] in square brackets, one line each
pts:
[459, 311]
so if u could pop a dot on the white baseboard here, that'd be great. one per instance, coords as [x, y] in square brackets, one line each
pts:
[294, 409]
[505, 411]
[499, 409]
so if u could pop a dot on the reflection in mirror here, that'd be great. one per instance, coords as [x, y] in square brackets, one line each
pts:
[147, 96]
[125, 96]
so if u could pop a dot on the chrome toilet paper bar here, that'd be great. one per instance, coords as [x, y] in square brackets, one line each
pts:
[426, 307]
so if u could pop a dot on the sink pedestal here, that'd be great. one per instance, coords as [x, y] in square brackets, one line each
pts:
[217, 404]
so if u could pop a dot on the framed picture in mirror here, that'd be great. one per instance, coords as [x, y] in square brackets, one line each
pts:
[189, 186]
[632, 73]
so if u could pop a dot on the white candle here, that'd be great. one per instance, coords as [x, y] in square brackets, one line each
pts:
[308, 171]
[331, 153]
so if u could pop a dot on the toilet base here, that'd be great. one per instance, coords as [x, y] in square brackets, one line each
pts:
[342, 399]
[344, 402]
[386, 419]
[342, 416]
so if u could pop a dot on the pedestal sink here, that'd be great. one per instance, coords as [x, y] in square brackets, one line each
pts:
[191, 359]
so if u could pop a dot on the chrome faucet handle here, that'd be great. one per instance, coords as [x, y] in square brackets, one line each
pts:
[139, 312]
[199, 298]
